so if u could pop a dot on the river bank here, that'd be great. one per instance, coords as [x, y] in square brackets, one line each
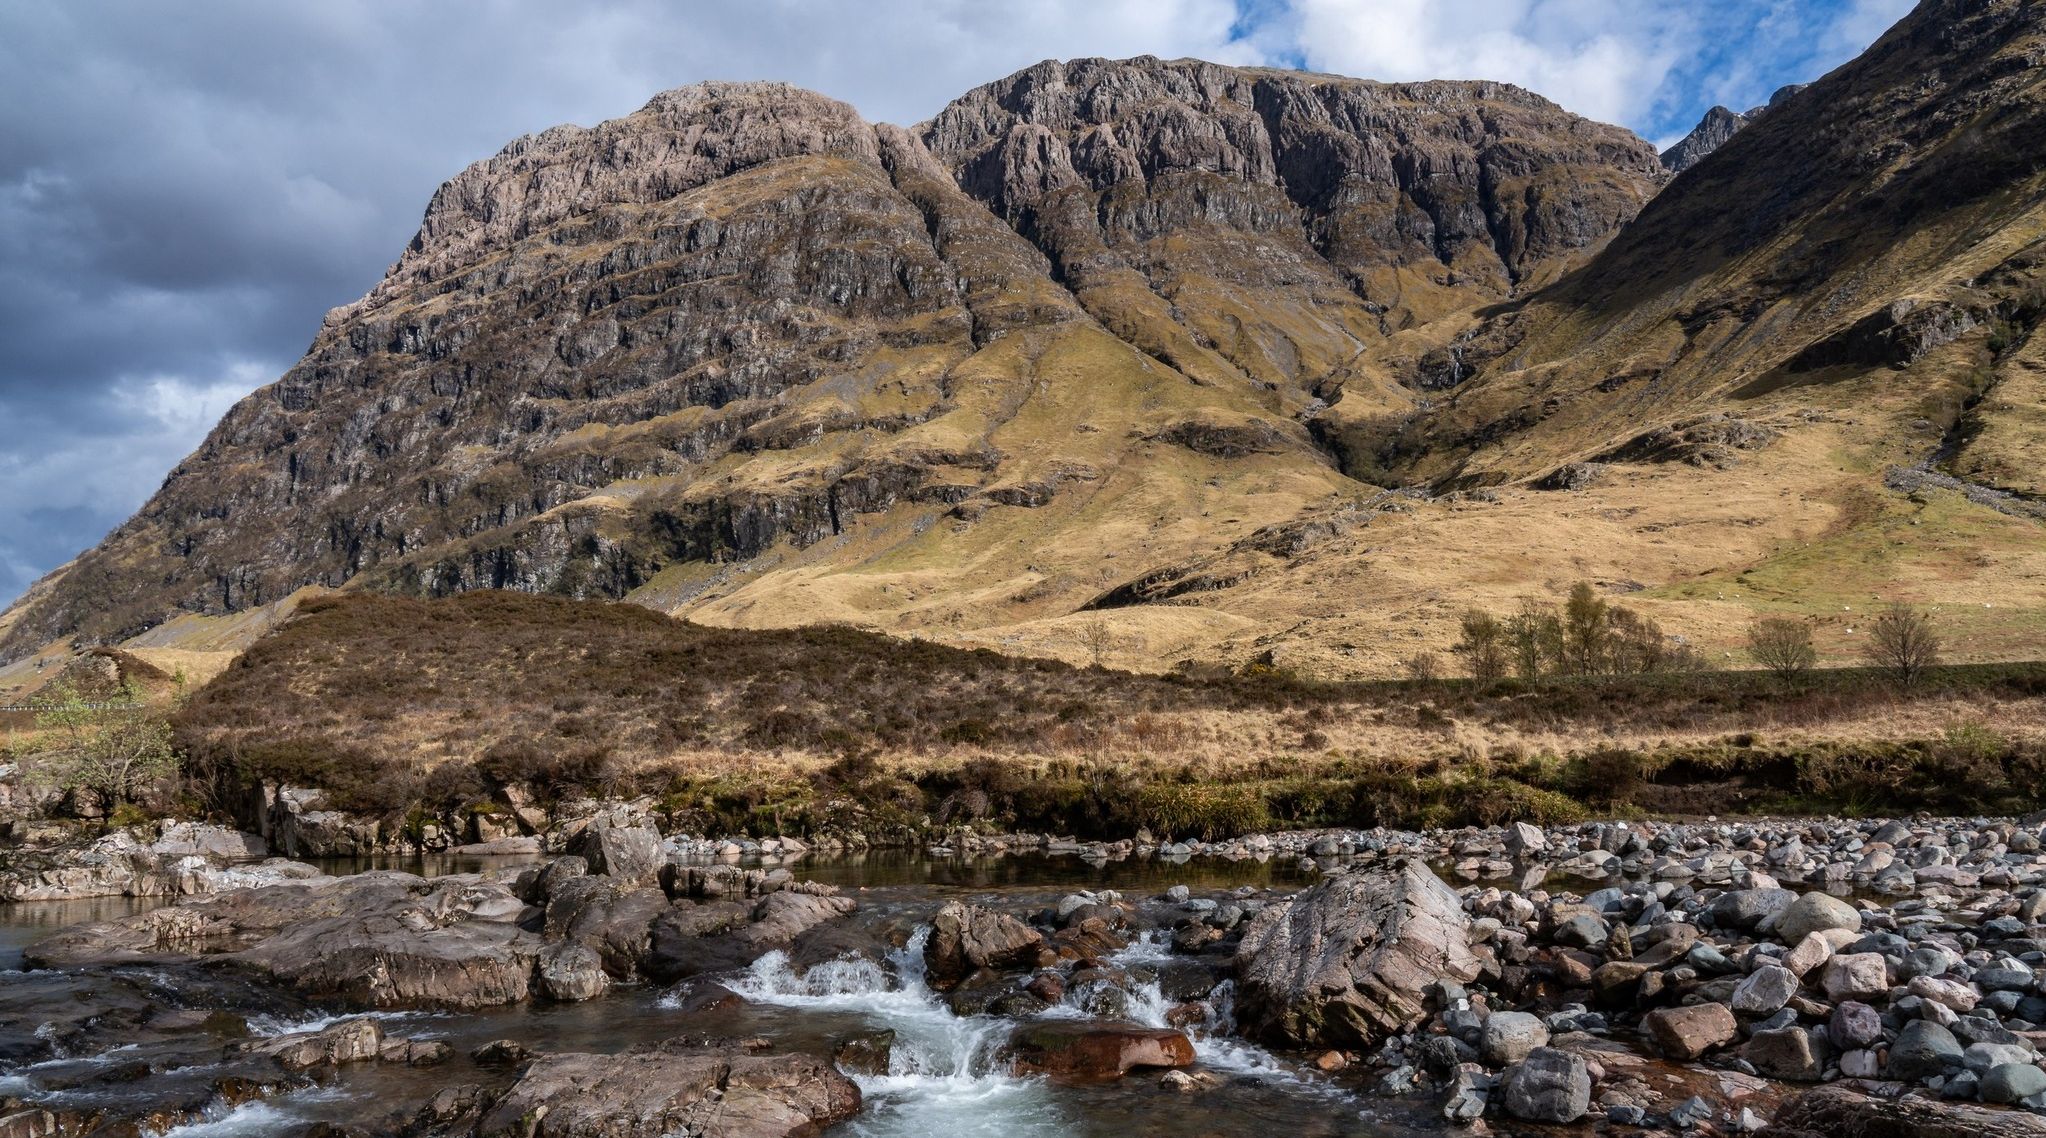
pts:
[1613, 976]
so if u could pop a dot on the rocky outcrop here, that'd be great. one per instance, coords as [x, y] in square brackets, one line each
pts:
[184, 859]
[651, 1092]
[1349, 961]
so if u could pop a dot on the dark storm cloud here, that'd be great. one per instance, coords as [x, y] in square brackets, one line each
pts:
[186, 188]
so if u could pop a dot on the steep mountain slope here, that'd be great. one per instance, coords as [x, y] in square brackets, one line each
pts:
[1861, 245]
[743, 354]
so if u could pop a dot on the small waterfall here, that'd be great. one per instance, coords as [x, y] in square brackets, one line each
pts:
[944, 1071]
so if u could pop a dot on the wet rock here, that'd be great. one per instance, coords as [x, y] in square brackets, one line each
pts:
[1689, 1032]
[571, 973]
[1092, 1050]
[652, 1092]
[1548, 1086]
[500, 1053]
[350, 1041]
[867, 1054]
[697, 937]
[967, 938]
[1348, 961]
[374, 940]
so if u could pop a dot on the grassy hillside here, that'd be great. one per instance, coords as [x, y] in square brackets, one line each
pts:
[400, 706]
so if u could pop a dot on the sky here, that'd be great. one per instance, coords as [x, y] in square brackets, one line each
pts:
[185, 189]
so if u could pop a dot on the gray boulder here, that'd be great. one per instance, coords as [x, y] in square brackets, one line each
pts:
[1548, 1086]
[1349, 961]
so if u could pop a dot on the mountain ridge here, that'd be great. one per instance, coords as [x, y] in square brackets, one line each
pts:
[1233, 363]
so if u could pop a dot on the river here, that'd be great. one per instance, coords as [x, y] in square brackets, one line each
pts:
[945, 1075]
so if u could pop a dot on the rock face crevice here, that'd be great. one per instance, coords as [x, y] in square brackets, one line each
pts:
[741, 323]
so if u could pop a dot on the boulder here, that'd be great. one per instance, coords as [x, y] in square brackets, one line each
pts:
[1922, 1050]
[2011, 1083]
[670, 1089]
[1856, 976]
[1783, 1053]
[1349, 961]
[1764, 991]
[691, 938]
[1745, 908]
[967, 938]
[1083, 1049]
[571, 973]
[1548, 1086]
[1688, 1032]
[622, 846]
[1509, 1036]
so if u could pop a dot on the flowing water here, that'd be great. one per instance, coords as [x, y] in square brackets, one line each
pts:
[946, 1073]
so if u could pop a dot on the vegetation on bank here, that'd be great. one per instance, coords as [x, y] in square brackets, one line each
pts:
[446, 709]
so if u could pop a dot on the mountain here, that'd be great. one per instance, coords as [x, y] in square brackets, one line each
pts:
[745, 354]
[1165, 360]
[1712, 131]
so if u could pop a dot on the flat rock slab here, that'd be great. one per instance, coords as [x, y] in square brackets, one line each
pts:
[665, 1090]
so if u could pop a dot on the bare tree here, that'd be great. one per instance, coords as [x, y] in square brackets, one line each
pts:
[1783, 646]
[1098, 639]
[1483, 647]
[1423, 667]
[1903, 643]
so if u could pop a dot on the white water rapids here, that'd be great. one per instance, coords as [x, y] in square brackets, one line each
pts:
[946, 1074]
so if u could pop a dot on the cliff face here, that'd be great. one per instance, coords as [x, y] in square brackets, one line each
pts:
[648, 357]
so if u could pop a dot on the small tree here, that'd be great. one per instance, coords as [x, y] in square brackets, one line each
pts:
[1783, 646]
[1903, 643]
[1534, 637]
[1098, 639]
[1483, 647]
[1585, 631]
[111, 747]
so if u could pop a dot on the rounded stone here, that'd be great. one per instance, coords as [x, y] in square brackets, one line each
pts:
[1815, 913]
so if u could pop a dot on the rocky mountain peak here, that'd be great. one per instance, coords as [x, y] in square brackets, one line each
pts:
[1467, 174]
[680, 140]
